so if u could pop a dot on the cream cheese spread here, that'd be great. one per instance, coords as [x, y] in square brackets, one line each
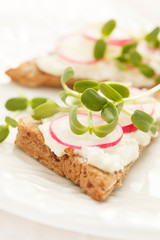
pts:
[100, 71]
[109, 159]
[77, 47]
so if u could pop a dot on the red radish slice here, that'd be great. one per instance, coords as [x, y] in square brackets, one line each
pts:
[119, 42]
[90, 38]
[61, 132]
[113, 42]
[92, 33]
[68, 59]
[76, 49]
[125, 120]
[126, 124]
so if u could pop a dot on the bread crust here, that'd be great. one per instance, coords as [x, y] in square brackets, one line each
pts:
[93, 181]
[29, 75]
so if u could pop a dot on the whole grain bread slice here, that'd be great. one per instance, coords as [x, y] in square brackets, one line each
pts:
[93, 181]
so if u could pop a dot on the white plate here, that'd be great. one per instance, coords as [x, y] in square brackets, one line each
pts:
[29, 189]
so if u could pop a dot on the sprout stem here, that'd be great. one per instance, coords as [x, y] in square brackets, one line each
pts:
[65, 109]
[90, 122]
[71, 92]
[127, 112]
[142, 102]
[147, 93]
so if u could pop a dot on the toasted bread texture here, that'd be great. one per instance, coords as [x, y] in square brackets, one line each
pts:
[29, 75]
[93, 181]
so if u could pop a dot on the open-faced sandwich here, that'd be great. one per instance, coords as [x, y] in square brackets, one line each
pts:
[94, 138]
[97, 54]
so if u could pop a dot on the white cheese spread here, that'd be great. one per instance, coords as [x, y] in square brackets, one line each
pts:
[100, 71]
[109, 159]
[76, 47]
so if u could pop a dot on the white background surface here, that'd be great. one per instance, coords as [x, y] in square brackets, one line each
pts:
[29, 28]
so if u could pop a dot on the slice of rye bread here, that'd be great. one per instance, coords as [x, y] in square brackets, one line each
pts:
[28, 74]
[93, 181]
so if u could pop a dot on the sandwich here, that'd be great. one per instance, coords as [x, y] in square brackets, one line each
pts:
[96, 137]
[96, 53]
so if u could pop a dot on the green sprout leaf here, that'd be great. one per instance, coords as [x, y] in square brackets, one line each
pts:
[72, 101]
[75, 125]
[109, 92]
[121, 89]
[67, 74]
[147, 70]
[103, 130]
[63, 95]
[120, 64]
[128, 47]
[119, 106]
[99, 49]
[35, 102]
[45, 110]
[108, 27]
[142, 120]
[4, 131]
[155, 44]
[109, 112]
[10, 121]
[155, 126]
[90, 122]
[152, 36]
[135, 58]
[110, 115]
[14, 104]
[82, 85]
[157, 79]
[69, 100]
[121, 58]
[92, 100]
[101, 45]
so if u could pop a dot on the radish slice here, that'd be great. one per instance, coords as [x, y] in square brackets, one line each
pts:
[118, 37]
[75, 48]
[119, 42]
[78, 48]
[61, 132]
[114, 42]
[125, 120]
[126, 124]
